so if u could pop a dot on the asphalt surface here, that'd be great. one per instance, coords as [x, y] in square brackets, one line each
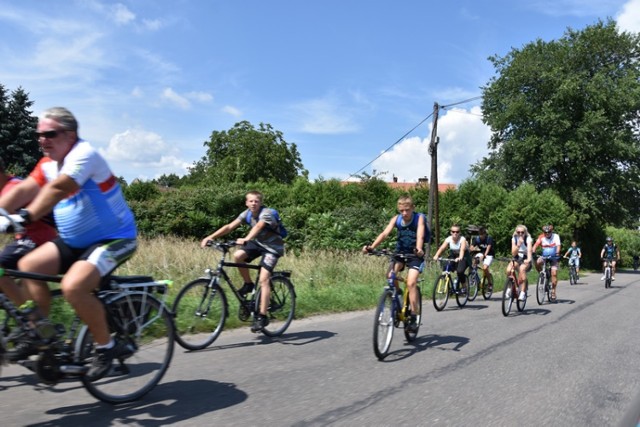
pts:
[574, 362]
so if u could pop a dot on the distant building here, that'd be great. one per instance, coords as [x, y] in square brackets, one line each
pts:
[422, 182]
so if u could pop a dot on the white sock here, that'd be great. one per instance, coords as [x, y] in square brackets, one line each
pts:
[107, 346]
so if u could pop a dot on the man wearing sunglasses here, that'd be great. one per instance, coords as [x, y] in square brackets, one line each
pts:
[97, 231]
[550, 243]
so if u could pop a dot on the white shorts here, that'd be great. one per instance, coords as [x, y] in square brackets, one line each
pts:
[486, 260]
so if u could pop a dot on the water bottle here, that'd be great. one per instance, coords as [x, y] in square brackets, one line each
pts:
[455, 284]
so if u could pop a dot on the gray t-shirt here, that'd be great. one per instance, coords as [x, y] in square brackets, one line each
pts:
[269, 237]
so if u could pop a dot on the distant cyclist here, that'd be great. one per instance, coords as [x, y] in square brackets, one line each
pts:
[610, 252]
[550, 243]
[458, 251]
[484, 246]
[574, 254]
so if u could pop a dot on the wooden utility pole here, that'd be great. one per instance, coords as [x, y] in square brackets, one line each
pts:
[432, 214]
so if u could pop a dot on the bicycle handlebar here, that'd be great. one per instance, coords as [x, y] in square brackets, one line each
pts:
[390, 254]
[221, 246]
[16, 227]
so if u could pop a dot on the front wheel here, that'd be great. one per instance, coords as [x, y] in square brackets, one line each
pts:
[411, 335]
[200, 312]
[573, 277]
[474, 281]
[486, 289]
[607, 277]
[507, 296]
[521, 304]
[540, 288]
[282, 306]
[441, 292]
[383, 325]
[462, 296]
[146, 325]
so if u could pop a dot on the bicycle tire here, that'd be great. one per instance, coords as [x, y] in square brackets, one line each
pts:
[383, 325]
[441, 292]
[521, 304]
[412, 335]
[573, 276]
[486, 289]
[507, 296]
[474, 281]
[150, 331]
[607, 277]
[463, 295]
[282, 306]
[540, 288]
[200, 312]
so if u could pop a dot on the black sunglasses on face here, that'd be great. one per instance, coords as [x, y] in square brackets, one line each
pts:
[49, 134]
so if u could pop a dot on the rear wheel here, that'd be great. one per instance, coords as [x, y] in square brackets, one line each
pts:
[146, 326]
[474, 281]
[507, 296]
[462, 296]
[486, 289]
[200, 312]
[383, 324]
[411, 335]
[282, 306]
[540, 288]
[441, 292]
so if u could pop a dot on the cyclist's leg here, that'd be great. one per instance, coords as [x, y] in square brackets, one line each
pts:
[486, 271]
[44, 259]
[412, 281]
[554, 276]
[576, 263]
[241, 256]
[83, 276]
[613, 269]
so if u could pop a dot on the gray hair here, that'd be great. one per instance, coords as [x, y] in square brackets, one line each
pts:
[61, 115]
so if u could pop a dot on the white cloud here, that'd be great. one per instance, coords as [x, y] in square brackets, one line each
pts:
[173, 97]
[143, 153]
[233, 111]
[629, 18]
[121, 14]
[199, 96]
[325, 116]
[463, 141]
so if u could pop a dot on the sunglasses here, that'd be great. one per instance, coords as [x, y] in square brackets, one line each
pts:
[49, 134]
[519, 232]
[455, 231]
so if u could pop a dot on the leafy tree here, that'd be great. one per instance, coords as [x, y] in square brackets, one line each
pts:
[565, 115]
[18, 144]
[246, 154]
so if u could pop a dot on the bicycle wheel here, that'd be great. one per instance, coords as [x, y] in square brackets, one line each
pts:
[607, 277]
[507, 296]
[146, 325]
[282, 306]
[411, 335]
[540, 288]
[441, 292]
[486, 289]
[520, 304]
[474, 281]
[572, 276]
[383, 325]
[462, 296]
[200, 312]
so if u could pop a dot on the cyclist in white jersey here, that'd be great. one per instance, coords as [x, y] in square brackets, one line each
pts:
[97, 230]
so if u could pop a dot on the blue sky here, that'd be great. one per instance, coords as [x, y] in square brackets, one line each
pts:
[344, 80]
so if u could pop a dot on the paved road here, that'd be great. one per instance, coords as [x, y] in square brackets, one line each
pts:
[570, 363]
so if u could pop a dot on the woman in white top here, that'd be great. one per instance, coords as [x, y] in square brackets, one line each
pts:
[458, 250]
[522, 252]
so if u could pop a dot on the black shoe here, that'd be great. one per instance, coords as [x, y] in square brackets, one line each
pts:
[259, 323]
[24, 347]
[104, 357]
[413, 324]
[247, 288]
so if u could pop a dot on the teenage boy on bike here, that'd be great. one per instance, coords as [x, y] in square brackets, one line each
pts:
[484, 246]
[574, 254]
[413, 233]
[263, 240]
[610, 252]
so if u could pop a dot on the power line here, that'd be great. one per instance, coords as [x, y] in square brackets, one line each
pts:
[392, 145]
[414, 128]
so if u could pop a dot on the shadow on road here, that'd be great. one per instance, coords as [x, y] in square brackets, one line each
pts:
[439, 342]
[168, 403]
